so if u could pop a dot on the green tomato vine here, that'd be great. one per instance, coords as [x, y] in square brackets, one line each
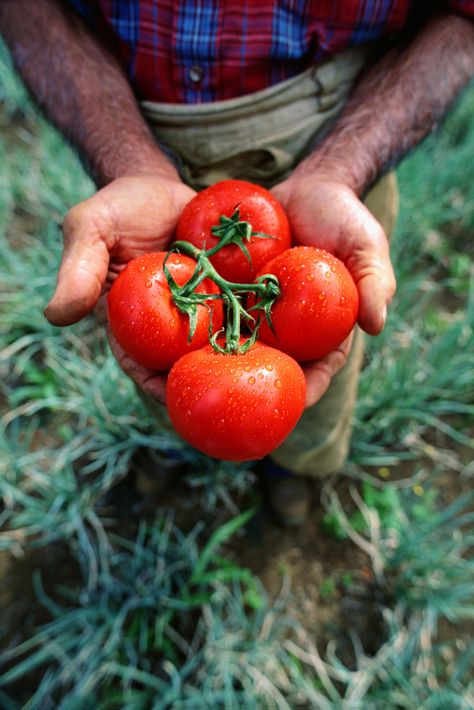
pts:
[230, 230]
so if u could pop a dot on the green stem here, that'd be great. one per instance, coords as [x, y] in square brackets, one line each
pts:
[185, 298]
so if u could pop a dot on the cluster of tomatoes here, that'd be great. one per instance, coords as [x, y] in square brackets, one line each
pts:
[229, 394]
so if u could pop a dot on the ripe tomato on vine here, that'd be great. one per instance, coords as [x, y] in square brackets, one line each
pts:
[317, 307]
[144, 317]
[245, 222]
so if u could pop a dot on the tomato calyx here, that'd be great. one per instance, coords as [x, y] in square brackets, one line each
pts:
[233, 230]
[185, 298]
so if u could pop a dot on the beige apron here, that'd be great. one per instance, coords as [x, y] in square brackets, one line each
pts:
[261, 137]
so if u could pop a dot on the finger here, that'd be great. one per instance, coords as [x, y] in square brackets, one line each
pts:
[376, 285]
[83, 268]
[320, 372]
[150, 382]
[368, 260]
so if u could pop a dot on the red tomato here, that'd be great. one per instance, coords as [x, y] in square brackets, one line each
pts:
[256, 206]
[143, 317]
[318, 305]
[235, 407]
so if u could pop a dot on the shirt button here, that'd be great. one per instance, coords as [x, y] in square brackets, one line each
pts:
[196, 73]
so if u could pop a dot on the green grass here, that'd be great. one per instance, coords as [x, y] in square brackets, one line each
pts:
[161, 616]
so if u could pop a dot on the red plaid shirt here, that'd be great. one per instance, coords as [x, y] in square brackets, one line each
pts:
[185, 51]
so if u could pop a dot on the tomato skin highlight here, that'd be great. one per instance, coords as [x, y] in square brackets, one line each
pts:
[143, 317]
[257, 206]
[235, 407]
[318, 305]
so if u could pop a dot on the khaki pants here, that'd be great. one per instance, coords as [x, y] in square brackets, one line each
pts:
[262, 137]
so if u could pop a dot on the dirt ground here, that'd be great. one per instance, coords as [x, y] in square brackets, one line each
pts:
[328, 583]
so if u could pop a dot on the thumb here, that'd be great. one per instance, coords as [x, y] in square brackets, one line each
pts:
[376, 285]
[82, 272]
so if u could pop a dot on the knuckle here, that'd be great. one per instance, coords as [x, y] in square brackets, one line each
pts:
[90, 220]
[72, 222]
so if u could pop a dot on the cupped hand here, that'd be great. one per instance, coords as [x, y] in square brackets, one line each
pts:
[130, 216]
[327, 214]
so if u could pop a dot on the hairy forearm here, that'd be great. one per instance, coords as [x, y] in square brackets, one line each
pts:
[81, 87]
[396, 103]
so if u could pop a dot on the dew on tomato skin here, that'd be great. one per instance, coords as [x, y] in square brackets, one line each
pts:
[277, 384]
[269, 367]
[247, 368]
[251, 380]
[321, 296]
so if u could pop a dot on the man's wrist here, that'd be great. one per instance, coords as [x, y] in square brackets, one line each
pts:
[142, 157]
[315, 174]
[329, 164]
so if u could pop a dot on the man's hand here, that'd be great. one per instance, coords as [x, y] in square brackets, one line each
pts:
[130, 216]
[396, 102]
[327, 214]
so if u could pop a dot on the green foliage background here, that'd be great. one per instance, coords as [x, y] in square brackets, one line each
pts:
[158, 616]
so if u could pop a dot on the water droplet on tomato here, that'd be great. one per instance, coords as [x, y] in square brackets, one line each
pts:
[310, 277]
[269, 367]
[251, 380]
[247, 368]
[278, 384]
[321, 296]
[148, 284]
